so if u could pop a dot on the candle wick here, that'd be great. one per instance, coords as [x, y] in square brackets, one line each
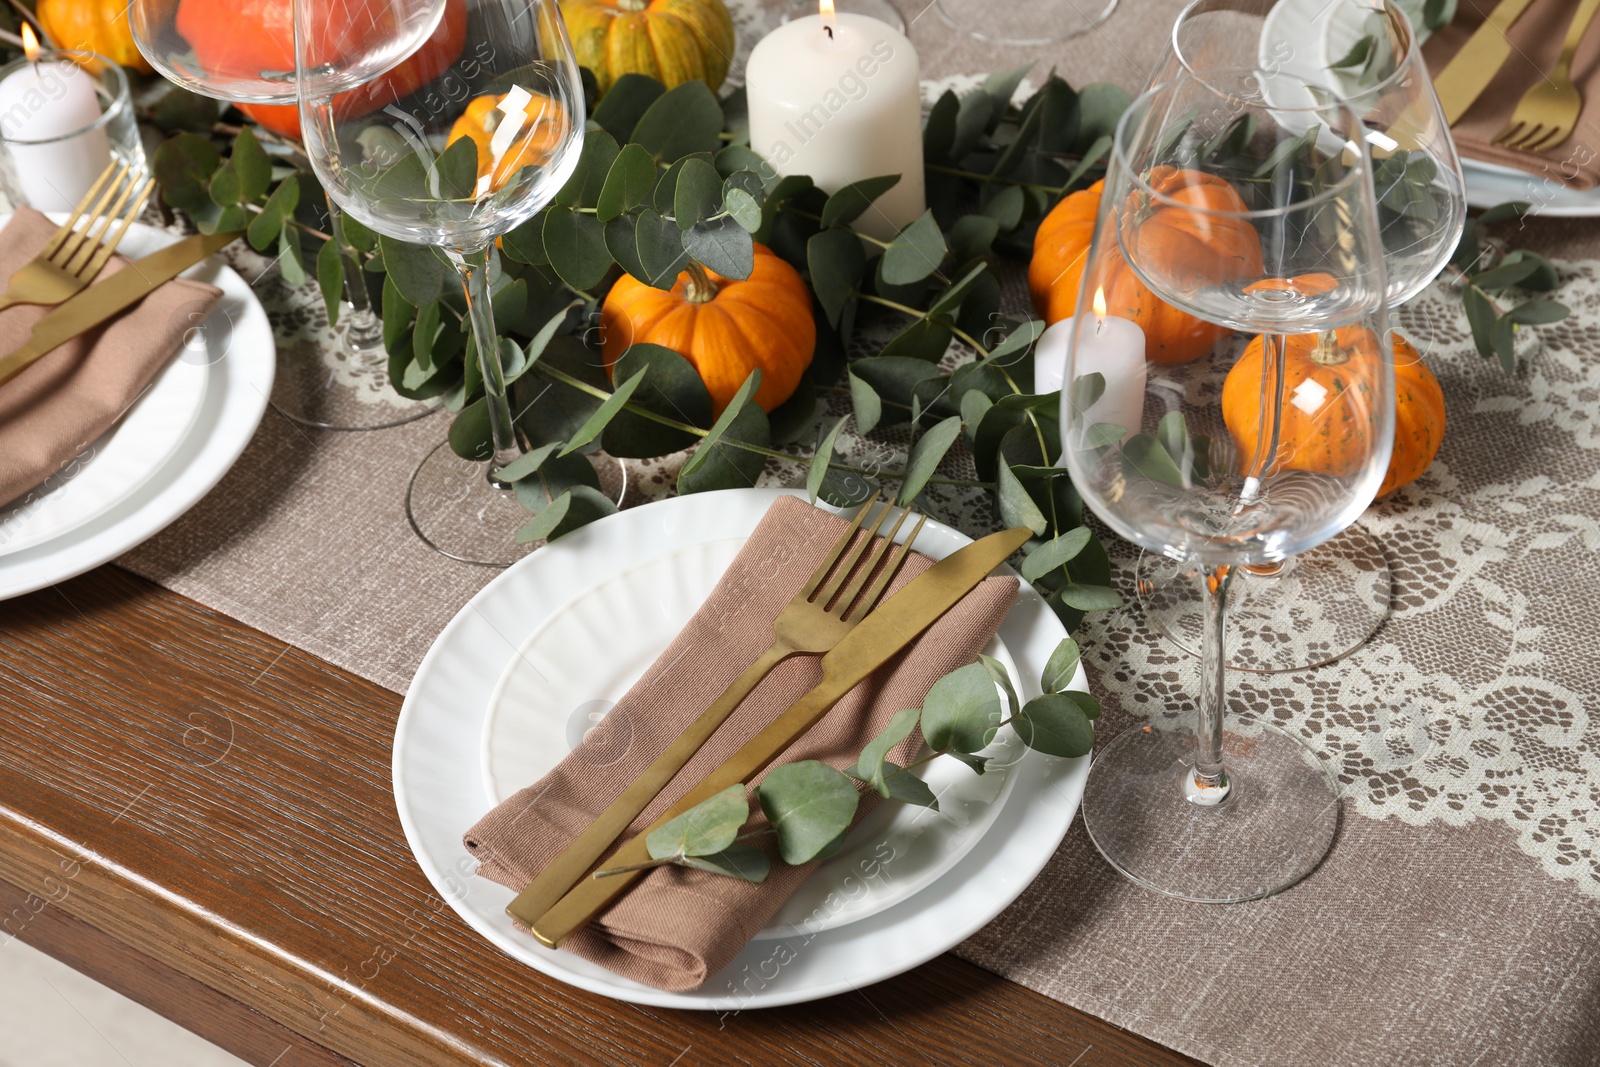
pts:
[829, 29]
[1099, 324]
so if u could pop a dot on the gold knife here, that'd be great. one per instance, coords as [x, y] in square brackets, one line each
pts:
[104, 299]
[1472, 69]
[884, 632]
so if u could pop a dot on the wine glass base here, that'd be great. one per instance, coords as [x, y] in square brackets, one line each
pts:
[1025, 22]
[353, 393]
[1321, 605]
[458, 512]
[1275, 825]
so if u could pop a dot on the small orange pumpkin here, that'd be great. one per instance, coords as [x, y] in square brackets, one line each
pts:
[1185, 224]
[724, 327]
[1334, 436]
[1061, 250]
[544, 125]
[93, 26]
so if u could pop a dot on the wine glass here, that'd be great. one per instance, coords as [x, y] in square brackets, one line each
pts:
[1242, 201]
[468, 156]
[1025, 22]
[247, 57]
[1316, 607]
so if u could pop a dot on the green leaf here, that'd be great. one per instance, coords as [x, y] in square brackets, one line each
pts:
[1002, 678]
[730, 414]
[661, 251]
[470, 433]
[576, 508]
[1062, 666]
[1538, 313]
[279, 208]
[972, 236]
[183, 167]
[1005, 208]
[397, 313]
[289, 263]
[1357, 56]
[907, 788]
[1503, 339]
[962, 710]
[687, 119]
[723, 245]
[949, 300]
[179, 109]
[1144, 457]
[820, 460]
[866, 404]
[915, 253]
[245, 177]
[629, 97]
[622, 241]
[1511, 209]
[1016, 505]
[526, 464]
[810, 805]
[628, 184]
[1480, 317]
[589, 176]
[425, 334]
[1056, 725]
[699, 193]
[974, 403]
[924, 340]
[898, 379]
[604, 413]
[745, 862]
[1057, 553]
[870, 767]
[548, 410]
[849, 203]
[457, 170]
[1287, 151]
[742, 207]
[330, 279]
[790, 420]
[1090, 597]
[708, 827]
[672, 389]
[1505, 275]
[418, 273]
[973, 116]
[836, 261]
[553, 478]
[939, 134]
[1543, 278]
[1437, 14]
[719, 463]
[1016, 343]
[926, 455]
[576, 244]
[1100, 108]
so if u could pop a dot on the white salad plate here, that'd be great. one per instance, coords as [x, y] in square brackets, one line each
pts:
[539, 655]
[168, 451]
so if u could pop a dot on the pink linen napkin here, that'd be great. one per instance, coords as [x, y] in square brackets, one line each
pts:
[57, 406]
[678, 927]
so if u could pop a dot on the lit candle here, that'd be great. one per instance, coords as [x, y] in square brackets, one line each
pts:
[837, 96]
[42, 105]
[1106, 345]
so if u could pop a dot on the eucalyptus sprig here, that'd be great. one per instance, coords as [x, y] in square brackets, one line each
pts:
[1487, 282]
[809, 806]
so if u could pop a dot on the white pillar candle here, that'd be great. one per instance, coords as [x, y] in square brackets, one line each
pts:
[838, 97]
[1106, 345]
[52, 98]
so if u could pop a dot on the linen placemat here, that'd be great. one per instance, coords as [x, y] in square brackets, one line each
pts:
[1455, 921]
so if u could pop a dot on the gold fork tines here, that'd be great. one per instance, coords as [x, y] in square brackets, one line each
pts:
[842, 591]
[72, 257]
[1547, 113]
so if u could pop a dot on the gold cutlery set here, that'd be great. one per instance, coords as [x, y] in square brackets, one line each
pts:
[60, 276]
[1548, 112]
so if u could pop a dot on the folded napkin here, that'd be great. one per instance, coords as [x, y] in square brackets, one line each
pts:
[1535, 46]
[678, 927]
[63, 401]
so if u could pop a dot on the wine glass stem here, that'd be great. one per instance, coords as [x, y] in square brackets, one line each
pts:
[1210, 784]
[474, 267]
[355, 284]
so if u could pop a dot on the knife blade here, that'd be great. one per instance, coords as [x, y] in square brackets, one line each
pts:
[103, 299]
[1471, 70]
[884, 632]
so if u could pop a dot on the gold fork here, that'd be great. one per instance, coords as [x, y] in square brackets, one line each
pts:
[1547, 113]
[73, 257]
[814, 621]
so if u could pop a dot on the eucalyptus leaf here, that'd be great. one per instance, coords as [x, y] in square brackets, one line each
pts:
[687, 119]
[809, 804]
[1480, 318]
[418, 273]
[850, 202]
[1056, 725]
[870, 767]
[837, 262]
[719, 463]
[1538, 313]
[1002, 678]
[821, 458]
[456, 171]
[526, 464]
[629, 97]
[1091, 597]
[722, 245]
[289, 261]
[743, 207]
[661, 251]
[470, 434]
[1016, 505]
[622, 241]
[274, 214]
[924, 340]
[907, 788]
[926, 455]
[1056, 553]
[745, 862]
[179, 109]
[1100, 108]
[962, 710]
[589, 176]
[553, 478]
[183, 167]
[915, 253]
[698, 194]
[1505, 275]
[672, 390]
[574, 509]
[330, 279]
[629, 183]
[709, 827]
[397, 313]
[607, 410]
[576, 245]
[1062, 666]
[866, 404]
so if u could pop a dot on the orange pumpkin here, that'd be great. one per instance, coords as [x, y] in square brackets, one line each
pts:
[1186, 226]
[725, 328]
[1333, 436]
[1060, 251]
[93, 26]
[281, 119]
[542, 128]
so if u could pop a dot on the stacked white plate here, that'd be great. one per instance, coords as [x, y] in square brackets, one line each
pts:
[171, 447]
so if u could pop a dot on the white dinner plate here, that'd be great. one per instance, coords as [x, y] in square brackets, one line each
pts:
[554, 690]
[227, 364]
[440, 788]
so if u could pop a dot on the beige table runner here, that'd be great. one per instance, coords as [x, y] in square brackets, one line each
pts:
[1455, 921]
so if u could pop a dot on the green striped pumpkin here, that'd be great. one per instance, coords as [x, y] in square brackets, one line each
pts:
[673, 41]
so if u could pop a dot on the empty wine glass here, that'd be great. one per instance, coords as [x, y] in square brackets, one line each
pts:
[455, 163]
[1025, 22]
[246, 55]
[1243, 202]
[1319, 606]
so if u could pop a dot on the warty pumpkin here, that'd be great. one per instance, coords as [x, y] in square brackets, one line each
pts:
[93, 26]
[724, 327]
[1334, 436]
[672, 41]
[1061, 250]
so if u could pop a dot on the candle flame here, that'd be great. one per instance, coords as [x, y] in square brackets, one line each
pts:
[30, 43]
[826, 10]
[1100, 303]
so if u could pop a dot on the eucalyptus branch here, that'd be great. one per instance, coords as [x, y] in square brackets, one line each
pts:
[797, 212]
[296, 223]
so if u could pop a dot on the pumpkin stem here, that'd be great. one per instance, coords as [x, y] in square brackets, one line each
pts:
[1328, 352]
[701, 289]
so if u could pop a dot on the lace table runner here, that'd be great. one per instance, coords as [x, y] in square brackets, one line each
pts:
[1455, 920]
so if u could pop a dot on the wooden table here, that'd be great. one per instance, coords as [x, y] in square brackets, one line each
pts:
[200, 816]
